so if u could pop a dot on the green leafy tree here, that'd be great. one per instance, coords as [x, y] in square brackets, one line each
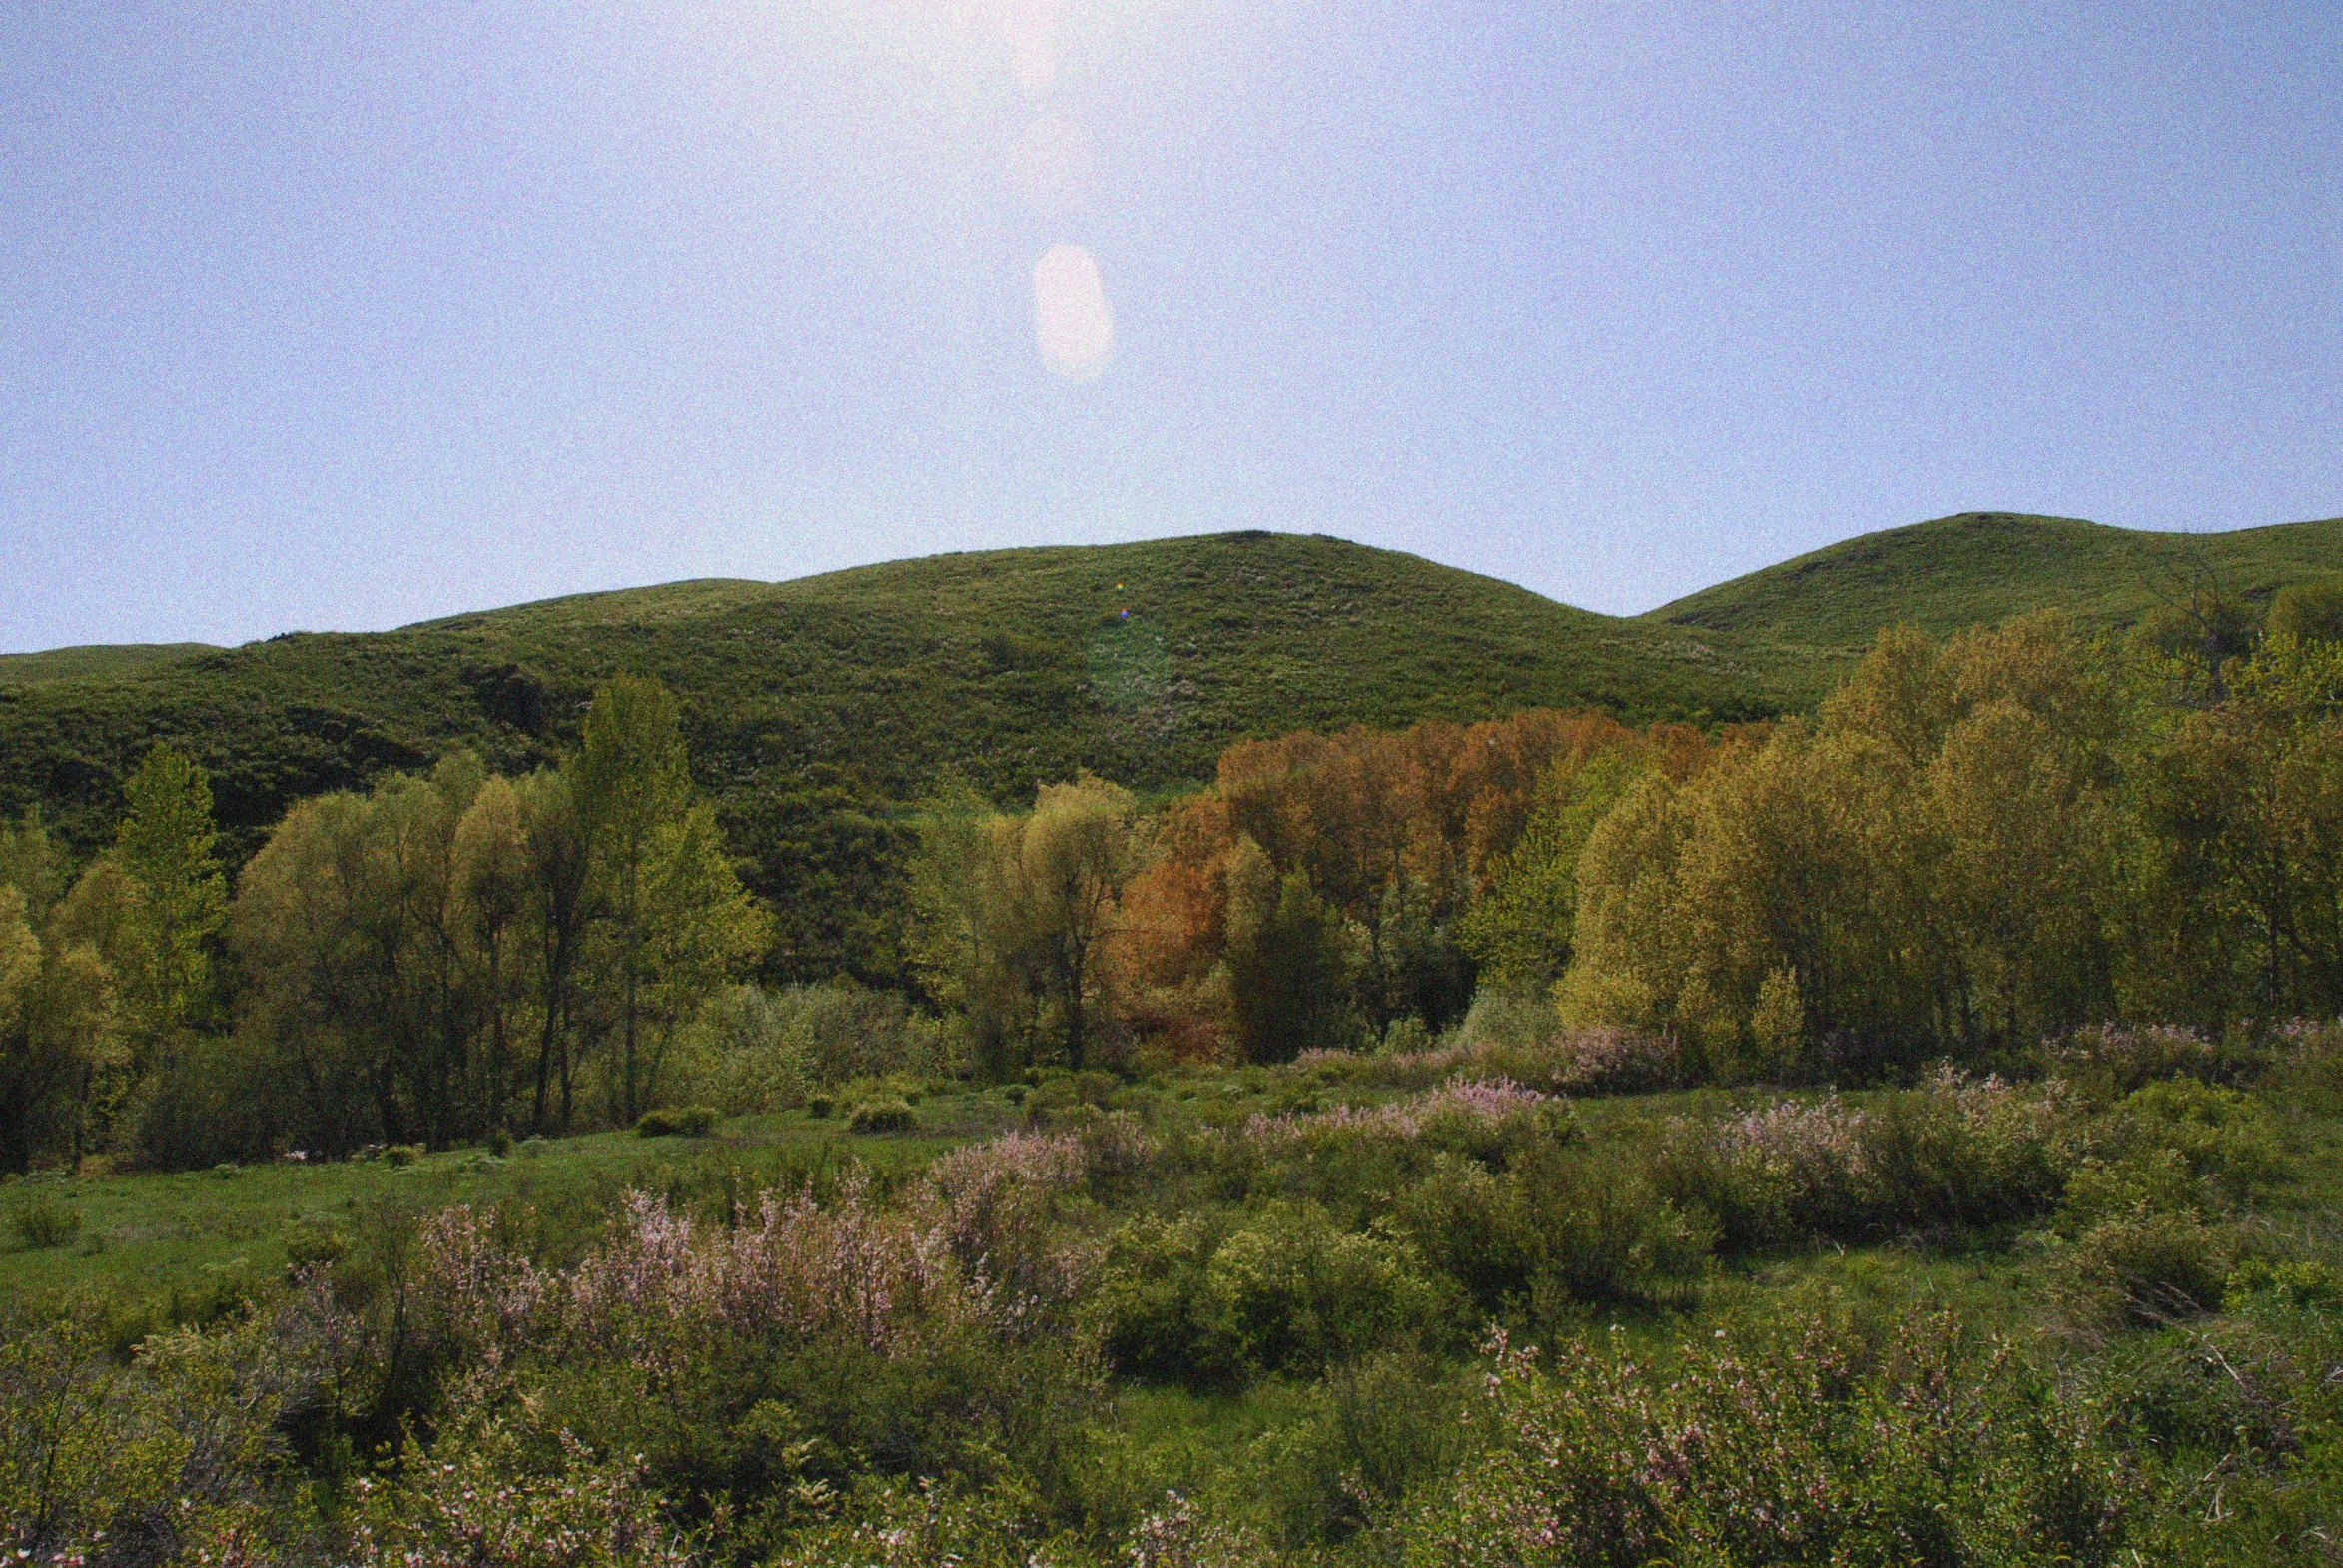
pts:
[1014, 914]
[56, 1034]
[1519, 931]
[164, 846]
[972, 925]
[1291, 961]
[555, 852]
[704, 929]
[1082, 843]
[492, 886]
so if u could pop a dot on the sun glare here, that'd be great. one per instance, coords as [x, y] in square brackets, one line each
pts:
[1072, 320]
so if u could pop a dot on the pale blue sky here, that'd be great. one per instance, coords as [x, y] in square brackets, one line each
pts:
[334, 317]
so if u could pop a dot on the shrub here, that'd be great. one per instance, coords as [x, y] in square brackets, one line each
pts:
[404, 1153]
[674, 1120]
[155, 1456]
[2301, 1285]
[1364, 1438]
[1958, 1152]
[1150, 1298]
[2110, 1060]
[891, 1115]
[41, 1221]
[479, 1497]
[2309, 1067]
[820, 1106]
[1809, 1448]
[1290, 1291]
[2217, 1133]
[753, 1049]
[501, 1143]
[1517, 1040]
[1559, 1225]
[2145, 1267]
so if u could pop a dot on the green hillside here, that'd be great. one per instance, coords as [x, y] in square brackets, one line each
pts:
[1139, 661]
[1805, 620]
[95, 659]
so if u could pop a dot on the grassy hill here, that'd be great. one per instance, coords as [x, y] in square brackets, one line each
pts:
[1139, 661]
[1805, 620]
[95, 659]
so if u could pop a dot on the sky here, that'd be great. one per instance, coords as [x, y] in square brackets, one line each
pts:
[340, 316]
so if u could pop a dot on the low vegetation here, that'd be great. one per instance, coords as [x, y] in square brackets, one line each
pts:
[1284, 1314]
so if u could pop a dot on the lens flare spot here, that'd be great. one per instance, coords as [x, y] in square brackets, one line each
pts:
[1072, 320]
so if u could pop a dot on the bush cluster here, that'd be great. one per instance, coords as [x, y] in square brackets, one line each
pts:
[672, 1121]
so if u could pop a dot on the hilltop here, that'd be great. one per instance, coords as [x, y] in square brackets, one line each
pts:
[94, 660]
[1006, 667]
[1139, 662]
[1803, 621]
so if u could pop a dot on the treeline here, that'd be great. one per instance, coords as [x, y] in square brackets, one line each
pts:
[445, 958]
[1972, 846]
[1318, 895]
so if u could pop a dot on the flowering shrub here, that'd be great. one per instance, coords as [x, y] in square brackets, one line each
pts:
[104, 1461]
[1590, 1060]
[1799, 1452]
[894, 1525]
[939, 1331]
[2109, 1061]
[1957, 1151]
[2309, 1067]
[478, 1498]
[1477, 1113]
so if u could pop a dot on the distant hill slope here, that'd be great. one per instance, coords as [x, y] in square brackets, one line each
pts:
[1139, 662]
[95, 659]
[1805, 620]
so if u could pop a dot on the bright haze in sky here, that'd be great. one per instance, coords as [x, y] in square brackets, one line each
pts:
[342, 316]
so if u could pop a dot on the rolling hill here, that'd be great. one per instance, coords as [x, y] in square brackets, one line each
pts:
[1139, 662]
[1803, 621]
[94, 660]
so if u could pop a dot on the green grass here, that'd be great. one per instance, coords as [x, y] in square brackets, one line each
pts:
[95, 659]
[145, 1235]
[1806, 620]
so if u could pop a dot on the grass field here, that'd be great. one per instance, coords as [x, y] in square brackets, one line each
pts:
[193, 1234]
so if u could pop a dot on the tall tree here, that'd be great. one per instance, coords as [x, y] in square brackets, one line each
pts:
[553, 837]
[164, 845]
[703, 929]
[492, 884]
[1084, 840]
[633, 782]
[1289, 968]
[56, 1032]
